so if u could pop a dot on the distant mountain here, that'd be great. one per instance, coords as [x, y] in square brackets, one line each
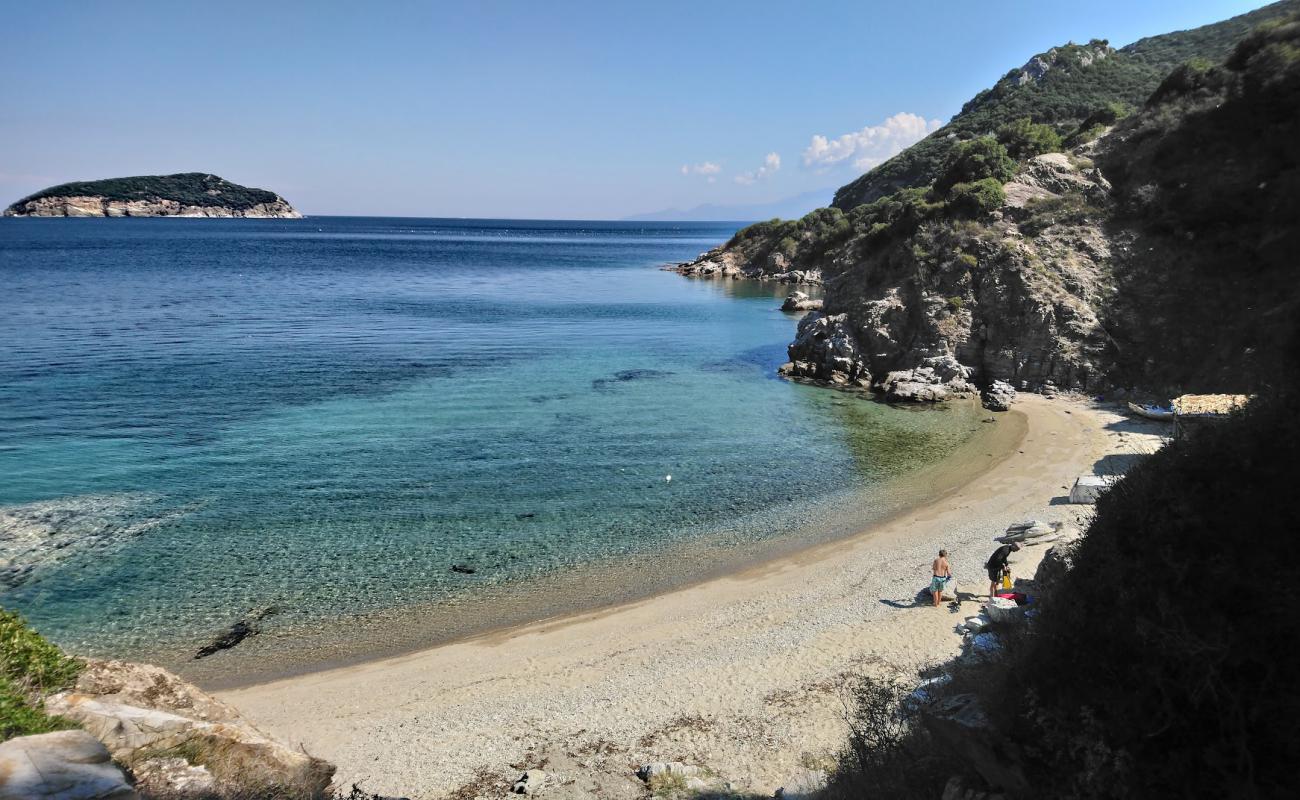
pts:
[789, 208]
[186, 194]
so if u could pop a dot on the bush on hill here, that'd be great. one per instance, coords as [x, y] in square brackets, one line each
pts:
[1023, 139]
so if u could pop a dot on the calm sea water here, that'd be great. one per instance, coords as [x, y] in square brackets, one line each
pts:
[203, 417]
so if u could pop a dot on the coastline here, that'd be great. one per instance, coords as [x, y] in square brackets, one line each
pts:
[715, 673]
[597, 587]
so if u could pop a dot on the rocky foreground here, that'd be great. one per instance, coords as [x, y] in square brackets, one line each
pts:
[143, 730]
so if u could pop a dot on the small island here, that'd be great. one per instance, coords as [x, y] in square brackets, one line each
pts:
[185, 194]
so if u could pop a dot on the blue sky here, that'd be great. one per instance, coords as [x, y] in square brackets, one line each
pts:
[513, 109]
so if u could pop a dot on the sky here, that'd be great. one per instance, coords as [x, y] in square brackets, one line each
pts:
[547, 110]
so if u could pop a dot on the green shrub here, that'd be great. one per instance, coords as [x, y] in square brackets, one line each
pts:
[30, 668]
[21, 716]
[976, 160]
[1069, 209]
[978, 198]
[28, 659]
[1024, 139]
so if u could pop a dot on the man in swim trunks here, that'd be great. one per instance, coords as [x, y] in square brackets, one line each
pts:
[939, 575]
[997, 564]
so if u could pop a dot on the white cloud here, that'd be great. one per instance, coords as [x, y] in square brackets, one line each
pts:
[771, 163]
[703, 168]
[871, 145]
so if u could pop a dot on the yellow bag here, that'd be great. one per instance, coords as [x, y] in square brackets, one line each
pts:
[1006, 579]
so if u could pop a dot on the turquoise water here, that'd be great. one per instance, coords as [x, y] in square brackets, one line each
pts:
[199, 418]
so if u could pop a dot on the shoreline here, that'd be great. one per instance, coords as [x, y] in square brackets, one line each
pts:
[399, 632]
[714, 673]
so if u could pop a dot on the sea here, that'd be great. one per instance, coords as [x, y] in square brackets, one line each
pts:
[374, 434]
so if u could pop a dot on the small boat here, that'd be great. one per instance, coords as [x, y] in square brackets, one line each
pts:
[1162, 413]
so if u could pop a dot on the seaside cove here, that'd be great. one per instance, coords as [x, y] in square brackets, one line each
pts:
[368, 436]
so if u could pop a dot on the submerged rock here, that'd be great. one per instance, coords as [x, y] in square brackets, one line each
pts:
[238, 632]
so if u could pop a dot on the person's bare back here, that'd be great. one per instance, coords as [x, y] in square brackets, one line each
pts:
[940, 567]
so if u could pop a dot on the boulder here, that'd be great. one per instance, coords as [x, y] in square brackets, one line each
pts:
[136, 708]
[901, 388]
[66, 765]
[1056, 562]
[798, 301]
[1000, 609]
[827, 345]
[999, 396]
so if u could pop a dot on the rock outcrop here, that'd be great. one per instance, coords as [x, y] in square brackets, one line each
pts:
[138, 711]
[826, 349]
[66, 765]
[738, 263]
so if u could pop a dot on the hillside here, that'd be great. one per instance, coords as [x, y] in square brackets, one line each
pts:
[190, 194]
[1142, 249]
[1071, 88]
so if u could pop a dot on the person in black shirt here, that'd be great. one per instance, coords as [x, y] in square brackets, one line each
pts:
[997, 564]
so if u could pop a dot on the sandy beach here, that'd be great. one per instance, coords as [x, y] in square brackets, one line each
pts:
[741, 674]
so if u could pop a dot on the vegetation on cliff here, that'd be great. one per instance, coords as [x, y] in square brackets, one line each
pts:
[1066, 89]
[1207, 180]
[1107, 265]
[187, 188]
[30, 669]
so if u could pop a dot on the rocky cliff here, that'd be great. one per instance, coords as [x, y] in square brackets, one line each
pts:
[191, 194]
[1116, 249]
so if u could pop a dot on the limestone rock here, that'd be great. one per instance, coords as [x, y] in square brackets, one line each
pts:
[798, 301]
[133, 707]
[149, 686]
[172, 776]
[827, 345]
[66, 765]
[1056, 562]
[999, 396]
